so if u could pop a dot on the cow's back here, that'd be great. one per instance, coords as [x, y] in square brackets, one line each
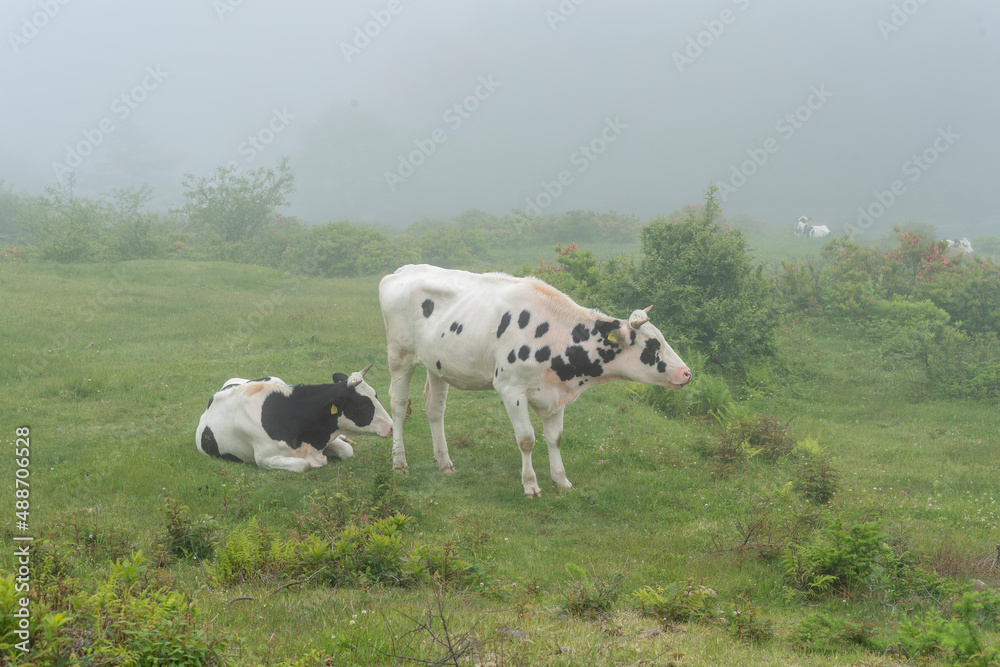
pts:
[232, 419]
[448, 319]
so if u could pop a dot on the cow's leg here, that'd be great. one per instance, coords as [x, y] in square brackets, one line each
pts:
[435, 396]
[517, 410]
[401, 365]
[340, 448]
[271, 461]
[553, 428]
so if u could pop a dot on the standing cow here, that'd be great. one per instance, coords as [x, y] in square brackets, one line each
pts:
[519, 336]
[284, 427]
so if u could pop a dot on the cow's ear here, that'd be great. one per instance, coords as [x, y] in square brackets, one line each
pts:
[339, 377]
[638, 318]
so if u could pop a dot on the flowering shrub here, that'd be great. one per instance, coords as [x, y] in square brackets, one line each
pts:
[940, 313]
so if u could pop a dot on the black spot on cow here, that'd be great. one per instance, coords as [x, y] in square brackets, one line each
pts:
[496, 372]
[541, 329]
[428, 307]
[458, 330]
[580, 333]
[576, 364]
[511, 358]
[210, 446]
[504, 323]
[438, 364]
[581, 383]
[606, 355]
[210, 402]
[524, 353]
[649, 355]
[454, 325]
[631, 338]
[542, 354]
[605, 328]
[307, 415]
[661, 367]
[523, 319]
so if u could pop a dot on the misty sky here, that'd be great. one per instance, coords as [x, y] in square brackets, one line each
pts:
[393, 110]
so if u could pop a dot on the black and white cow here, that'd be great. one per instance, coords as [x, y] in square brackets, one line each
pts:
[283, 427]
[519, 336]
[805, 228]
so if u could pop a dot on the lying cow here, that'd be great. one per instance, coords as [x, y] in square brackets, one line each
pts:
[962, 245]
[810, 230]
[519, 336]
[284, 427]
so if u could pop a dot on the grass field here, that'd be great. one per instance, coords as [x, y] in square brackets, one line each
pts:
[111, 367]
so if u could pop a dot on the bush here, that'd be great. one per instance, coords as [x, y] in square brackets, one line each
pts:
[590, 596]
[251, 553]
[815, 478]
[841, 559]
[186, 538]
[677, 602]
[822, 633]
[958, 636]
[700, 278]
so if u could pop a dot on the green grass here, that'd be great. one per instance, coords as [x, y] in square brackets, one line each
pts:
[111, 367]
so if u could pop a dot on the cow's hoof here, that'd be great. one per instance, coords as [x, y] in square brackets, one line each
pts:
[533, 493]
[564, 484]
[448, 470]
[403, 469]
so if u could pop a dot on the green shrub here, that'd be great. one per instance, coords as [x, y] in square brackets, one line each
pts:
[815, 478]
[590, 595]
[822, 633]
[745, 624]
[841, 559]
[959, 636]
[251, 552]
[677, 602]
[700, 277]
[186, 538]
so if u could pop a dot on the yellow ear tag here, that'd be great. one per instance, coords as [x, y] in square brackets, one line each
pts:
[333, 409]
[613, 337]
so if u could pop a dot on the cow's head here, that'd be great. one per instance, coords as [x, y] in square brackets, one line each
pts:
[356, 408]
[650, 357]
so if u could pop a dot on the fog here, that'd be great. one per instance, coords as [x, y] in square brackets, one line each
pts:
[865, 113]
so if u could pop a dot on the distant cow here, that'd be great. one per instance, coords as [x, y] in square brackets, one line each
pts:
[519, 336]
[284, 427]
[808, 229]
[958, 248]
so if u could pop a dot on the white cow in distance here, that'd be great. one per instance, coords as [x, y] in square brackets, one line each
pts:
[518, 336]
[962, 244]
[808, 229]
